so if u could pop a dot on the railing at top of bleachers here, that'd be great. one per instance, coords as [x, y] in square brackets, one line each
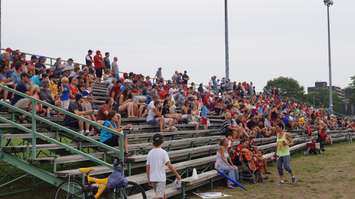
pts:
[49, 60]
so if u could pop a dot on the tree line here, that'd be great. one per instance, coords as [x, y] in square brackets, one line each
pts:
[290, 88]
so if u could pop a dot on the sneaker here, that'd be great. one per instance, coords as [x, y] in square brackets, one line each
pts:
[293, 179]
[231, 186]
[282, 182]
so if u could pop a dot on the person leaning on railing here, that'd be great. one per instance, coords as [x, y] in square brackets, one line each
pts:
[113, 122]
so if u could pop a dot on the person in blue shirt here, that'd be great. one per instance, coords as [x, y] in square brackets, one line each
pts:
[112, 121]
[204, 116]
[64, 96]
[23, 87]
[16, 74]
[36, 79]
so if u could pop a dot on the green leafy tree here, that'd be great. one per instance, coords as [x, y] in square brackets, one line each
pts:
[320, 99]
[351, 90]
[288, 87]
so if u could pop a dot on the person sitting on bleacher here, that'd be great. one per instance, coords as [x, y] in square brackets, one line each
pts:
[105, 109]
[108, 138]
[87, 107]
[23, 87]
[6, 80]
[224, 164]
[76, 108]
[128, 105]
[155, 116]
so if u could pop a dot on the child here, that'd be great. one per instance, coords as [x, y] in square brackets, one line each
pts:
[156, 161]
[204, 114]
[64, 97]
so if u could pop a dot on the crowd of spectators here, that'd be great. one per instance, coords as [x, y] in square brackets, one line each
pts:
[163, 102]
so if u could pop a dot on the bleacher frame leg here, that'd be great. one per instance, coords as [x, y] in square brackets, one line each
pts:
[211, 184]
[129, 168]
[183, 190]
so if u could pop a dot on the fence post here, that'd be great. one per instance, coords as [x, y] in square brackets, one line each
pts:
[121, 145]
[34, 128]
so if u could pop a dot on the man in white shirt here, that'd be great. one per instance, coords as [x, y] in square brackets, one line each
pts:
[157, 159]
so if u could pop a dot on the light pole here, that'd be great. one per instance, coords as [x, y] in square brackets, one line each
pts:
[0, 27]
[329, 3]
[226, 38]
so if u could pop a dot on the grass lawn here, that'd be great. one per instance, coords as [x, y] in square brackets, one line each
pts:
[329, 175]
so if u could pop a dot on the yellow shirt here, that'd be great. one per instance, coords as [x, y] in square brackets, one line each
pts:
[54, 89]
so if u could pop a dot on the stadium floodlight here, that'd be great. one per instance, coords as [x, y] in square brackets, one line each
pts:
[329, 3]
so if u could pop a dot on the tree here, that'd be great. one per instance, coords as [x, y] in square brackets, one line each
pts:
[352, 84]
[288, 87]
[350, 95]
[320, 99]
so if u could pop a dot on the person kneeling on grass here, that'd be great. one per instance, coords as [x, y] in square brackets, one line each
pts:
[283, 142]
[108, 138]
[157, 159]
[224, 163]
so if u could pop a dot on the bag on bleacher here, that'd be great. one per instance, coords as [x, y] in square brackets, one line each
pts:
[116, 180]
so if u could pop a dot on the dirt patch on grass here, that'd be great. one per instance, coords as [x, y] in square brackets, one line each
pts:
[327, 176]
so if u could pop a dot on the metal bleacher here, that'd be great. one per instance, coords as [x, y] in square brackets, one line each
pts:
[46, 149]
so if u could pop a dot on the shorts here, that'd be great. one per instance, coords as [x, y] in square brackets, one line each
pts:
[159, 189]
[203, 121]
[65, 104]
[73, 123]
[98, 72]
[23, 103]
[152, 122]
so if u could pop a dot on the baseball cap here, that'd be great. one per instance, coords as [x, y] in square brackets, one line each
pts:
[158, 139]
[85, 94]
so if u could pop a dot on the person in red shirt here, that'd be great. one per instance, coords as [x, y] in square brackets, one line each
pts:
[73, 87]
[322, 134]
[105, 109]
[99, 65]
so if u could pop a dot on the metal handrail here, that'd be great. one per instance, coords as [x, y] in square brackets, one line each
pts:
[53, 141]
[35, 117]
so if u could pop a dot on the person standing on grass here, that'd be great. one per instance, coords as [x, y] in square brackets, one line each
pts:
[157, 159]
[283, 143]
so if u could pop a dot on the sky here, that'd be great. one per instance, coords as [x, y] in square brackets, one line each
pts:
[268, 38]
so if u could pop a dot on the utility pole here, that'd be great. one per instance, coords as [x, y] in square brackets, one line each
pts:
[226, 38]
[0, 27]
[329, 3]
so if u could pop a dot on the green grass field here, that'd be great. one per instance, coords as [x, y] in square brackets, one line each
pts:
[327, 176]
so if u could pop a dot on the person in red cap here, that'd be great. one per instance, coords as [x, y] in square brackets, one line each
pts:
[99, 65]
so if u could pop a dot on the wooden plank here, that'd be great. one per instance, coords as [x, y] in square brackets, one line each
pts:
[193, 152]
[7, 126]
[42, 146]
[171, 190]
[75, 158]
[23, 135]
[141, 178]
[176, 143]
